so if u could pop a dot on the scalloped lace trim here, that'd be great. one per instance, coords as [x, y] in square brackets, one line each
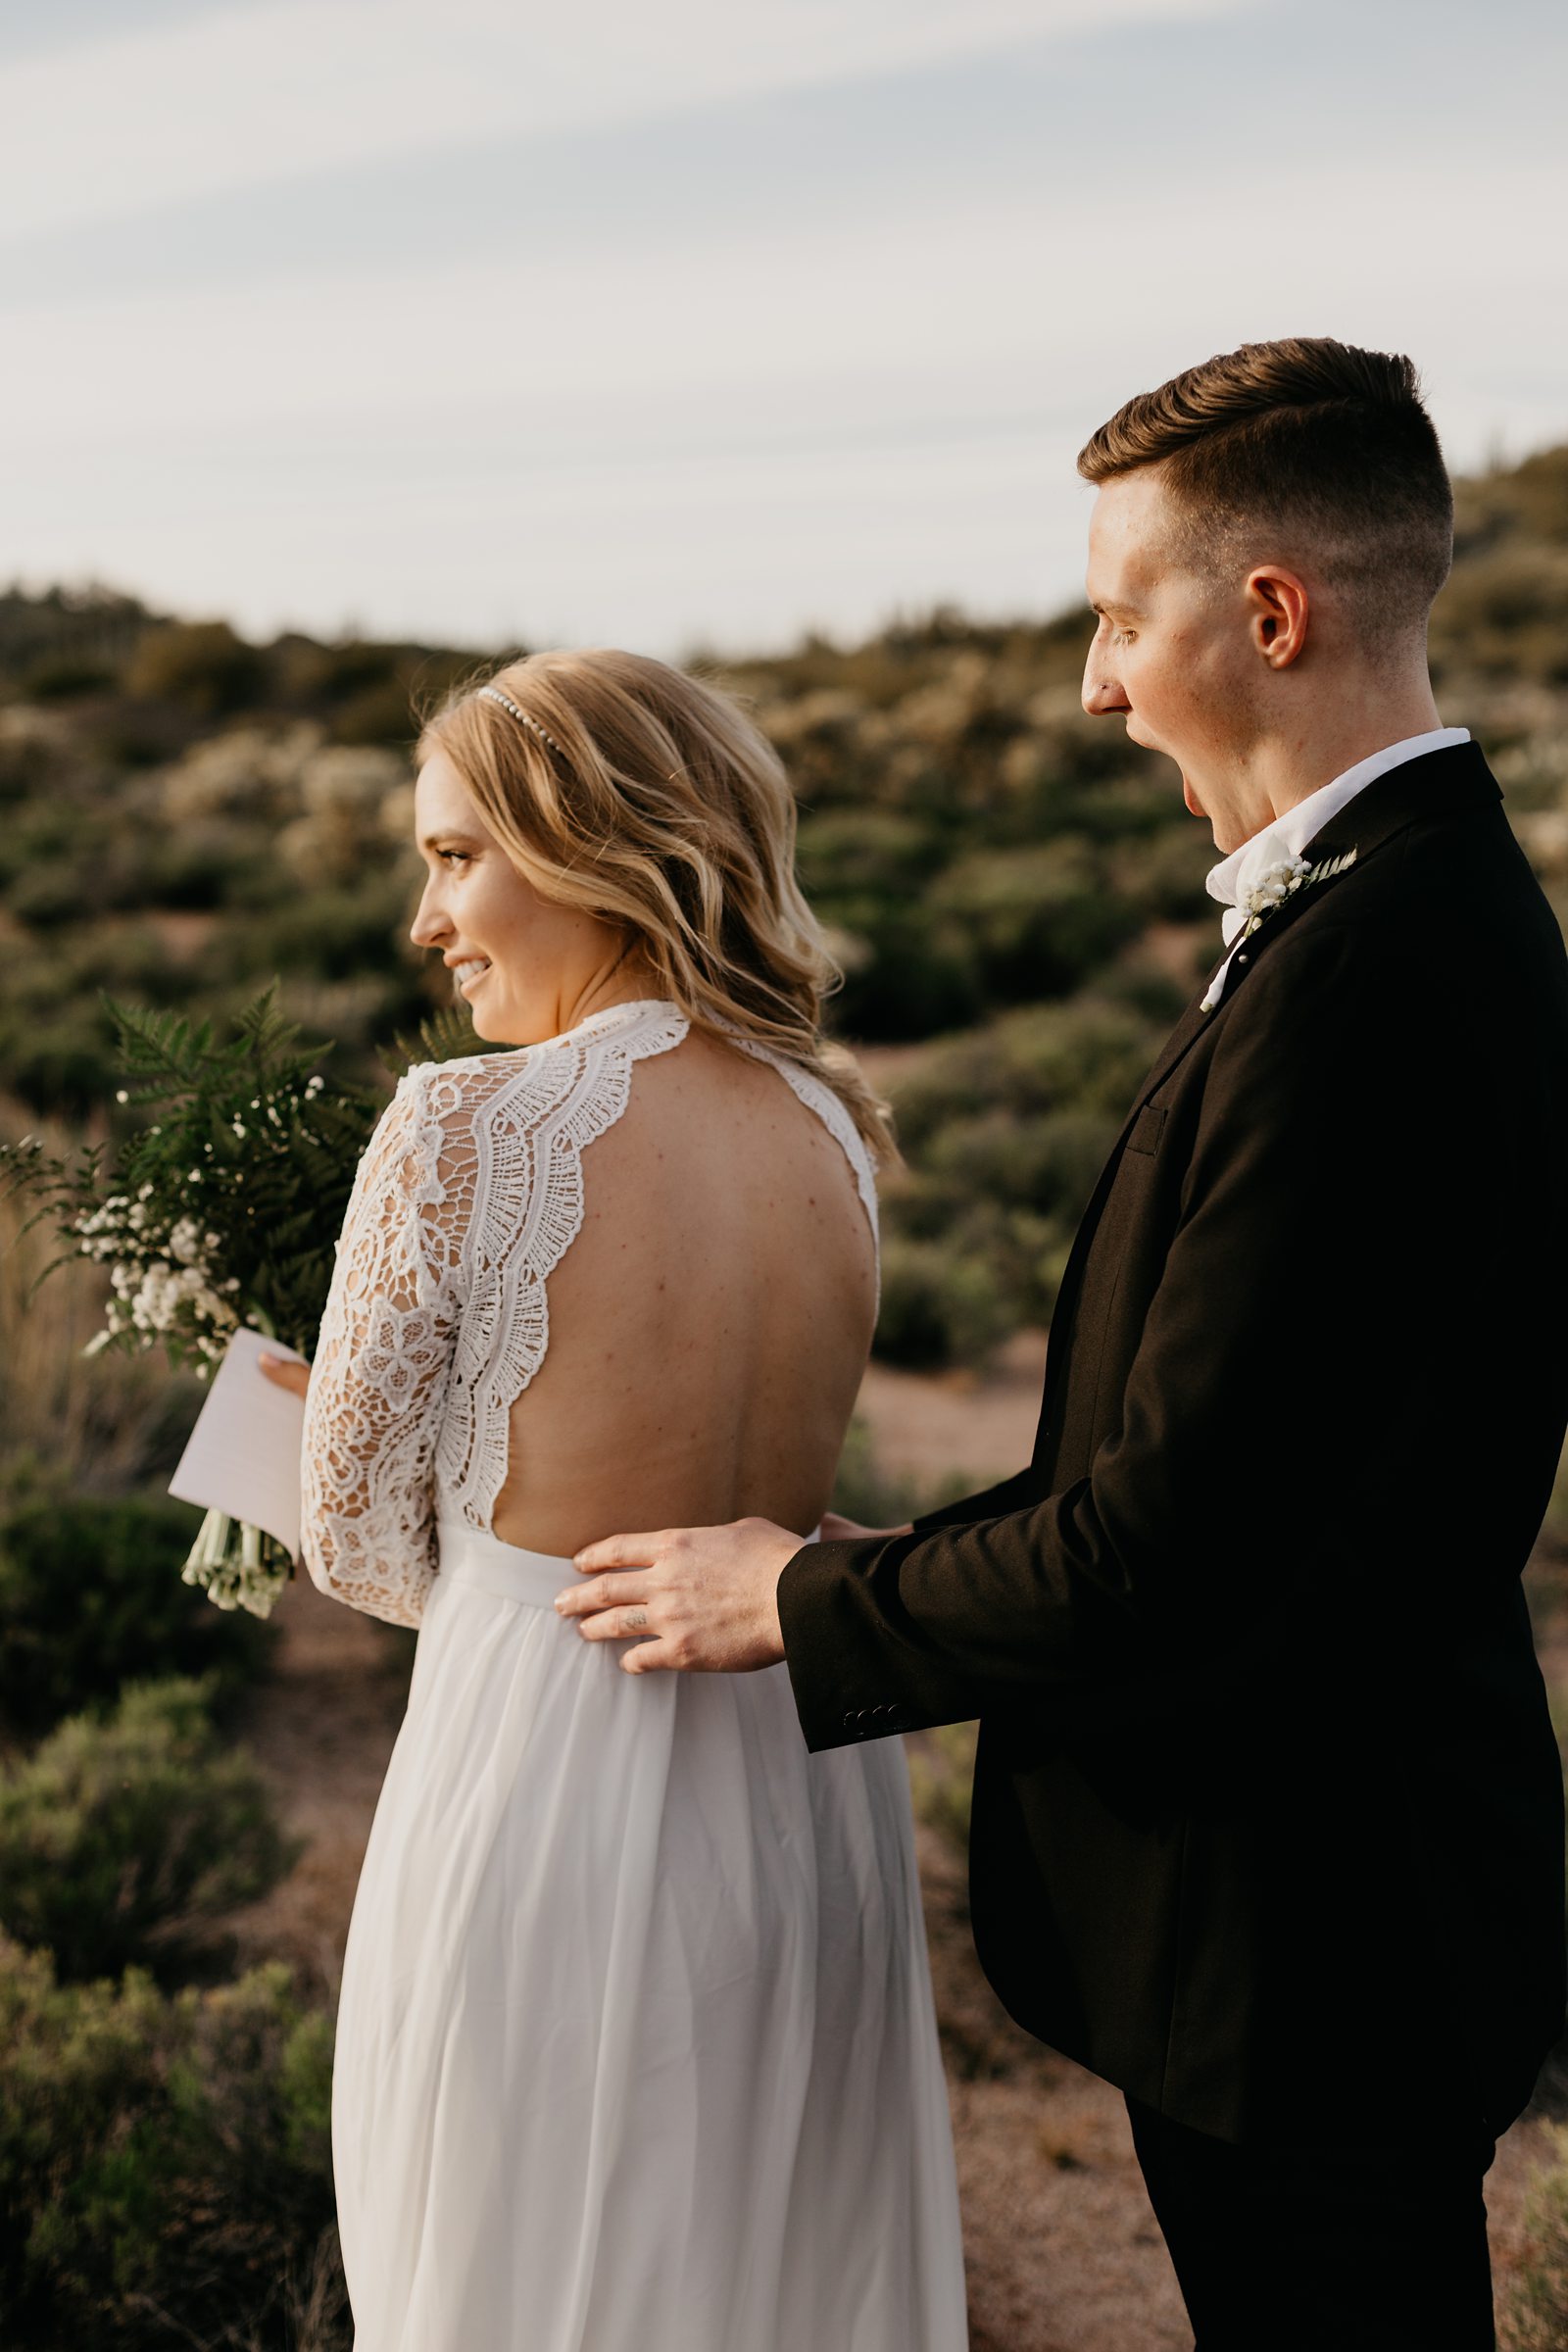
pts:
[526, 1197]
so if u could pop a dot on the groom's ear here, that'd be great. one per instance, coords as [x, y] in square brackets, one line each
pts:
[1279, 610]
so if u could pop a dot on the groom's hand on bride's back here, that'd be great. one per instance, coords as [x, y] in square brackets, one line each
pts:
[696, 1599]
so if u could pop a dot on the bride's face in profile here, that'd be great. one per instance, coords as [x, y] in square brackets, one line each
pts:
[526, 966]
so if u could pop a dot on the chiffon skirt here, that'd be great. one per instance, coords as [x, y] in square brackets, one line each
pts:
[636, 2044]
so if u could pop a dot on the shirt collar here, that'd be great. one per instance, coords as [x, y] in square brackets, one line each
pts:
[1288, 836]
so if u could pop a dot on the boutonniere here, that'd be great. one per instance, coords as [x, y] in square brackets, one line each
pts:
[1273, 887]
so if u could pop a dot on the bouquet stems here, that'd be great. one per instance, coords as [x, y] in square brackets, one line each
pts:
[236, 1565]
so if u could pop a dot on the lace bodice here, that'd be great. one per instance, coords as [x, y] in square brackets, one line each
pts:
[469, 1196]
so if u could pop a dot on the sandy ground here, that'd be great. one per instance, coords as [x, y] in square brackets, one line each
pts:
[1063, 2254]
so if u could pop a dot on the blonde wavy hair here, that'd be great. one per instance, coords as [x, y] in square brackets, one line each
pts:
[660, 808]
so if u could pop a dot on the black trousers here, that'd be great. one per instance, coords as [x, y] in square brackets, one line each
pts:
[1352, 2249]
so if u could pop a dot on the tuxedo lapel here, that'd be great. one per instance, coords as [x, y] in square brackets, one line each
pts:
[1439, 784]
[1448, 783]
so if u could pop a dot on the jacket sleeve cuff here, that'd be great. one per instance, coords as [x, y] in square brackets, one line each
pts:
[852, 1673]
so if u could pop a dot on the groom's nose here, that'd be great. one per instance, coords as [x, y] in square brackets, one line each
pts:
[1102, 692]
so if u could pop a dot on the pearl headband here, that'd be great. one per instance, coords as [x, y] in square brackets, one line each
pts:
[507, 704]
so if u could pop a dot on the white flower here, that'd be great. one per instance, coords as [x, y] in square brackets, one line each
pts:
[1274, 885]
[185, 1241]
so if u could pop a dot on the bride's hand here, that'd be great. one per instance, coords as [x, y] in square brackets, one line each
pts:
[285, 1373]
[838, 1529]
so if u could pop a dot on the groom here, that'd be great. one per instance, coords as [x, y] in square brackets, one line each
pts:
[1267, 1823]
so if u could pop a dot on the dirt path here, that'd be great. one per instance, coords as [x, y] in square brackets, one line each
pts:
[1062, 2251]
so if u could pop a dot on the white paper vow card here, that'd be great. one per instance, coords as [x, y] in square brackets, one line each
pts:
[244, 1451]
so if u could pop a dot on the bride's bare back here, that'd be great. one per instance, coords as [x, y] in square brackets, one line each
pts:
[709, 1324]
[623, 1279]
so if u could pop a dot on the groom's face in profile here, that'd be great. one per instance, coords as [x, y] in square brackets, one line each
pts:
[1172, 654]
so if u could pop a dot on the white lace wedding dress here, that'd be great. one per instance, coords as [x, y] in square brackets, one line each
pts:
[636, 2045]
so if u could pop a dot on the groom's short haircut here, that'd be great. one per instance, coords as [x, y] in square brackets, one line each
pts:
[1330, 443]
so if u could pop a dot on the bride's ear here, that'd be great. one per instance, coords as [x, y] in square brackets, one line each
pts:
[1279, 612]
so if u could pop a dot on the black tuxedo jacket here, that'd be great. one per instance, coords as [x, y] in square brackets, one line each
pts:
[1268, 1821]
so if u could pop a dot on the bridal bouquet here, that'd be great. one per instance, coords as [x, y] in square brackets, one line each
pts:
[222, 1210]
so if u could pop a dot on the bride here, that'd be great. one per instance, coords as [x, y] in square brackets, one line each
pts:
[636, 2046]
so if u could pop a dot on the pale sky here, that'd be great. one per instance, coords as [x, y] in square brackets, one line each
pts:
[710, 321]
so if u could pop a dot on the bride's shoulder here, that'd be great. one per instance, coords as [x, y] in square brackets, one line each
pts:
[464, 1080]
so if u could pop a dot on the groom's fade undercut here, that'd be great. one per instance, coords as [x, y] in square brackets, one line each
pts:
[1330, 443]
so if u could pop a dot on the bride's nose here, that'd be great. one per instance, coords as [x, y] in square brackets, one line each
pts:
[429, 925]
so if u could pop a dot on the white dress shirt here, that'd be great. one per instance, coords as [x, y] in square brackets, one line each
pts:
[1237, 876]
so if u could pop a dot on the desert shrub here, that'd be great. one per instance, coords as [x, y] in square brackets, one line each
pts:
[865, 1492]
[1161, 876]
[1046, 1162]
[91, 1598]
[906, 975]
[850, 851]
[123, 1837]
[165, 2166]
[60, 1067]
[1503, 612]
[335, 933]
[65, 676]
[1535, 2315]
[201, 666]
[190, 865]
[1087, 1056]
[1039, 918]
[942, 1778]
[378, 714]
[47, 832]
[937, 1307]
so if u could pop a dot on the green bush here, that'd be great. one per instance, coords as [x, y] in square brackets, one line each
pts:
[1084, 1057]
[1046, 1162]
[91, 1598]
[937, 1307]
[864, 1490]
[123, 1839]
[1039, 917]
[941, 1778]
[905, 976]
[165, 2166]
[199, 665]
